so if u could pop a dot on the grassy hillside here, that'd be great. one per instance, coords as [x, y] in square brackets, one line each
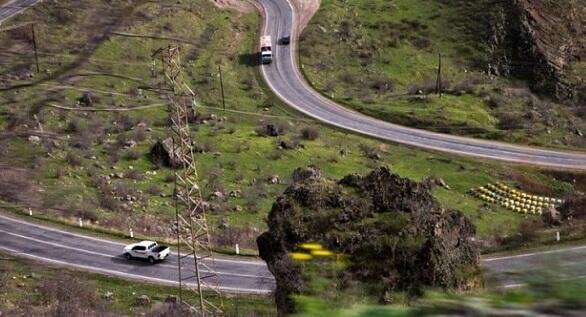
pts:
[96, 164]
[385, 64]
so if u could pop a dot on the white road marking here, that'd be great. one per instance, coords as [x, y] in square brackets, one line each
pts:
[116, 256]
[260, 263]
[132, 276]
[524, 255]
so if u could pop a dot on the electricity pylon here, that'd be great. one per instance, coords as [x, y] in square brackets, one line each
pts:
[196, 266]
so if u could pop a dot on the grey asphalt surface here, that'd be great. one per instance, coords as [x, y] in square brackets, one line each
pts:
[285, 80]
[61, 248]
[15, 6]
[245, 276]
[558, 265]
[239, 276]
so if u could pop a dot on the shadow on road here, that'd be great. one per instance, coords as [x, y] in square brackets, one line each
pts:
[134, 261]
[250, 59]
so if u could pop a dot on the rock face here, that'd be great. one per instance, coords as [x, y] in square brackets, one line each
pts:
[539, 40]
[395, 233]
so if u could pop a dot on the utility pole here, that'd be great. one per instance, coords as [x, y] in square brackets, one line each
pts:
[438, 84]
[35, 47]
[194, 249]
[222, 87]
[34, 38]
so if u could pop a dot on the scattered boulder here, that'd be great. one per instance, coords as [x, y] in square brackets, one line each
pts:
[235, 193]
[87, 99]
[218, 195]
[223, 224]
[274, 179]
[143, 300]
[129, 144]
[440, 182]
[34, 139]
[290, 145]
[171, 299]
[108, 295]
[551, 217]
[395, 233]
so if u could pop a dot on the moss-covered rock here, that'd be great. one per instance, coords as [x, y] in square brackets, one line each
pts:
[396, 235]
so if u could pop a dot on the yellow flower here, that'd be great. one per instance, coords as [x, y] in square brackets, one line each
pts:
[311, 246]
[300, 256]
[322, 252]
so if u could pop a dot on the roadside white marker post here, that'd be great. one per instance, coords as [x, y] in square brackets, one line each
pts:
[80, 222]
[131, 233]
[30, 212]
[557, 236]
[237, 249]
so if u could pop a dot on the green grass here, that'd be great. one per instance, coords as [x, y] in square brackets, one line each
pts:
[245, 159]
[396, 43]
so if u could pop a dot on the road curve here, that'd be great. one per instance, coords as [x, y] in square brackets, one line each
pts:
[15, 6]
[285, 80]
[104, 256]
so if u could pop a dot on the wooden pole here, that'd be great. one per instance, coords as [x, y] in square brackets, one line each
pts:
[35, 47]
[222, 87]
[438, 85]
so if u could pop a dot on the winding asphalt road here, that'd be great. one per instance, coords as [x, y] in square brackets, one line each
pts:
[239, 276]
[105, 256]
[86, 253]
[285, 80]
[13, 7]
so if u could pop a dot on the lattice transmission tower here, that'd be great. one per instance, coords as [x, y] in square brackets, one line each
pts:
[196, 265]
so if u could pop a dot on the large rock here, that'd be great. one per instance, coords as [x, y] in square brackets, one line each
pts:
[165, 153]
[397, 236]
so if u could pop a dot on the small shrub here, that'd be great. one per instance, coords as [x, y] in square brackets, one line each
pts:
[154, 190]
[381, 84]
[510, 121]
[134, 174]
[140, 134]
[422, 88]
[271, 129]
[348, 78]
[309, 133]
[169, 178]
[108, 202]
[73, 159]
[496, 101]
[132, 155]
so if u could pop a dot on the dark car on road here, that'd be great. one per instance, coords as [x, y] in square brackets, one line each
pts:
[285, 40]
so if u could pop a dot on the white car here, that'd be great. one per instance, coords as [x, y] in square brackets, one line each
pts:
[148, 250]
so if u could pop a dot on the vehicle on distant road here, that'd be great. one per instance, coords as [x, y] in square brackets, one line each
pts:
[266, 50]
[147, 250]
[285, 40]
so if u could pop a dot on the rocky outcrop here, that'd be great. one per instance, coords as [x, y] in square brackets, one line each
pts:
[396, 235]
[574, 208]
[165, 153]
[538, 40]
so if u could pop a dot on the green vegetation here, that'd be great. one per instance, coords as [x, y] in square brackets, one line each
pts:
[33, 290]
[96, 165]
[385, 65]
[550, 291]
